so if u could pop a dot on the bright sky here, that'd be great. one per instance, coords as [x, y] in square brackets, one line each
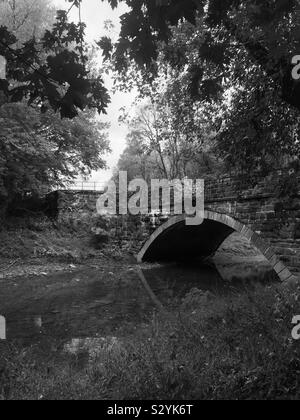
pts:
[94, 13]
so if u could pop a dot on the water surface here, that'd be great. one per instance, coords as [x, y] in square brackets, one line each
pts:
[98, 302]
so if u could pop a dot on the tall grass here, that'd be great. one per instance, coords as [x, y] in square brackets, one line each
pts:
[237, 347]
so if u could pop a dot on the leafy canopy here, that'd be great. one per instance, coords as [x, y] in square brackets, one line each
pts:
[234, 59]
[52, 70]
[39, 152]
[268, 30]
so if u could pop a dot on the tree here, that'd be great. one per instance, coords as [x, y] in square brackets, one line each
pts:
[268, 30]
[51, 71]
[251, 101]
[255, 130]
[27, 19]
[136, 159]
[260, 132]
[38, 152]
[167, 139]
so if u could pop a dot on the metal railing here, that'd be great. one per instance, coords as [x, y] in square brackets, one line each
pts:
[86, 186]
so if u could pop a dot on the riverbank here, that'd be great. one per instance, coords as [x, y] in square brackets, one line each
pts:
[42, 249]
[81, 325]
[208, 347]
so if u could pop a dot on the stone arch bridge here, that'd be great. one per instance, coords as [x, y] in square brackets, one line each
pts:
[254, 210]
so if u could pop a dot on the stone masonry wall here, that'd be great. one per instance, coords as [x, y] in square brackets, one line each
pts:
[258, 206]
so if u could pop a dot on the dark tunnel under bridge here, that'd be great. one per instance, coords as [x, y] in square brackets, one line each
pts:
[182, 242]
[176, 241]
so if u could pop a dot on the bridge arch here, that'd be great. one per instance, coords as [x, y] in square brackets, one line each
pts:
[174, 240]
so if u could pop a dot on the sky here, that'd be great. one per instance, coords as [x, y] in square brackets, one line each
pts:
[94, 13]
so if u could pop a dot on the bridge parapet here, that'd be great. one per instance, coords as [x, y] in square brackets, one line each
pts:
[241, 188]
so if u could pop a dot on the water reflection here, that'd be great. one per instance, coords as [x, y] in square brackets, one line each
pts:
[88, 303]
[175, 281]
[61, 306]
[171, 283]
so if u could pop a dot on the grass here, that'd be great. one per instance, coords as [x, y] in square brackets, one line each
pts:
[238, 347]
[72, 239]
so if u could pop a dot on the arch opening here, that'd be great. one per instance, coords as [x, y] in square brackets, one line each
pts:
[175, 241]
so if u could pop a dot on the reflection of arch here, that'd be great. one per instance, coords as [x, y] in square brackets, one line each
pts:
[175, 240]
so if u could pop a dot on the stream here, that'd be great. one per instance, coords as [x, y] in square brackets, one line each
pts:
[105, 301]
